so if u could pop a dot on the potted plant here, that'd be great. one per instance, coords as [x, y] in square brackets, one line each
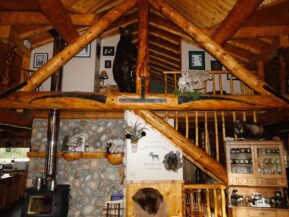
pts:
[134, 132]
[112, 155]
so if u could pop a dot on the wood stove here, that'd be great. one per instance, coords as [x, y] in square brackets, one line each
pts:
[46, 203]
[49, 200]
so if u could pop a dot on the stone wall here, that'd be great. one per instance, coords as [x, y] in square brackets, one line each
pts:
[92, 181]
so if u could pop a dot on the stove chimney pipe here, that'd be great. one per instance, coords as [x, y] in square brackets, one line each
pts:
[53, 119]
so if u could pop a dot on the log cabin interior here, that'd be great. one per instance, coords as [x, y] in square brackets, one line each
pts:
[69, 133]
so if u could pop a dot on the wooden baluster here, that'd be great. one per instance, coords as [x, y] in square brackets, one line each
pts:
[224, 214]
[216, 208]
[187, 125]
[254, 116]
[222, 113]
[208, 202]
[243, 93]
[199, 200]
[216, 121]
[232, 91]
[223, 125]
[214, 84]
[206, 133]
[220, 84]
[217, 137]
[196, 128]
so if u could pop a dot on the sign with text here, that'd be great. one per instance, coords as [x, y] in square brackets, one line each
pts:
[154, 157]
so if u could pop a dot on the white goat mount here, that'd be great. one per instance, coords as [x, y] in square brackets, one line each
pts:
[193, 80]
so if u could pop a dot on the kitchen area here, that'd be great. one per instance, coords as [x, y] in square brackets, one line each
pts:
[13, 175]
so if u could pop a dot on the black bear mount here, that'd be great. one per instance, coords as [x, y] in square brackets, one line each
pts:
[125, 58]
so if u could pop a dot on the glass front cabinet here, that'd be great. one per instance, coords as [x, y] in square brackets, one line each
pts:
[257, 180]
[256, 163]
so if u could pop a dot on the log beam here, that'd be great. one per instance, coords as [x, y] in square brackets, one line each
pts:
[37, 18]
[216, 50]
[142, 67]
[236, 17]
[64, 56]
[262, 31]
[118, 101]
[199, 157]
[13, 118]
[5, 31]
[55, 12]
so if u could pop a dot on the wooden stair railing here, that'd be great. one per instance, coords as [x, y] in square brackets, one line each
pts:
[193, 153]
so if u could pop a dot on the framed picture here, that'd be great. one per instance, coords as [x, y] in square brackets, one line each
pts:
[85, 52]
[40, 59]
[108, 51]
[196, 60]
[216, 65]
[107, 64]
[229, 76]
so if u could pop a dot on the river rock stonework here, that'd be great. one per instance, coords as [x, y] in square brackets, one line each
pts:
[92, 181]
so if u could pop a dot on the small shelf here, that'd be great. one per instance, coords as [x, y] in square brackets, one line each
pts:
[71, 154]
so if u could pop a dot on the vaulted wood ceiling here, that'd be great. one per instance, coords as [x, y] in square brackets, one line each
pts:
[256, 38]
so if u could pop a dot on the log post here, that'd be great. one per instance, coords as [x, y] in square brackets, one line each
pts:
[199, 157]
[142, 69]
[282, 76]
[261, 70]
[213, 48]
[64, 56]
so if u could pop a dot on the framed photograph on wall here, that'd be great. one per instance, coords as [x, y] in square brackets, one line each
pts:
[108, 51]
[40, 59]
[216, 65]
[107, 64]
[197, 60]
[85, 52]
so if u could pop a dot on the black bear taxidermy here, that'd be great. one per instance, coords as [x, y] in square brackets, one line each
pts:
[125, 58]
[149, 199]
[250, 130]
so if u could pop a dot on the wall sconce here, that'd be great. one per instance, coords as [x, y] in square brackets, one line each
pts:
[103, 76]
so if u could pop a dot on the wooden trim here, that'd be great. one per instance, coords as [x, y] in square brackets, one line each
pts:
[88, 101]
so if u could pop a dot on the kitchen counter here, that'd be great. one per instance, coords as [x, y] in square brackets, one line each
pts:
[12, 186]
[5, 176]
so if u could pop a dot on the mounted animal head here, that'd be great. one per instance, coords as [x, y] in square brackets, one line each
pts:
[126, 33]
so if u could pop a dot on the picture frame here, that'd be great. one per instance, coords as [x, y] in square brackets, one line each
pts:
[85, 52]
[107, 64]
[216, 65]
[234, 77]
[197, 60]
[108, 51]
[77, 144]
[40, 59]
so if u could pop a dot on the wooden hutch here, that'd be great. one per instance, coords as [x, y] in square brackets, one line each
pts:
[256, 168]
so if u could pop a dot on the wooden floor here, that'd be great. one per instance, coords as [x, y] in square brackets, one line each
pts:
[13, 211]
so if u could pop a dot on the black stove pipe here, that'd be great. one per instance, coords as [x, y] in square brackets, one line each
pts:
[53, 119]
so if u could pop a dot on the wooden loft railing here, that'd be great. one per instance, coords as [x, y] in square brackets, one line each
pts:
[205, 200]
[213, 123]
